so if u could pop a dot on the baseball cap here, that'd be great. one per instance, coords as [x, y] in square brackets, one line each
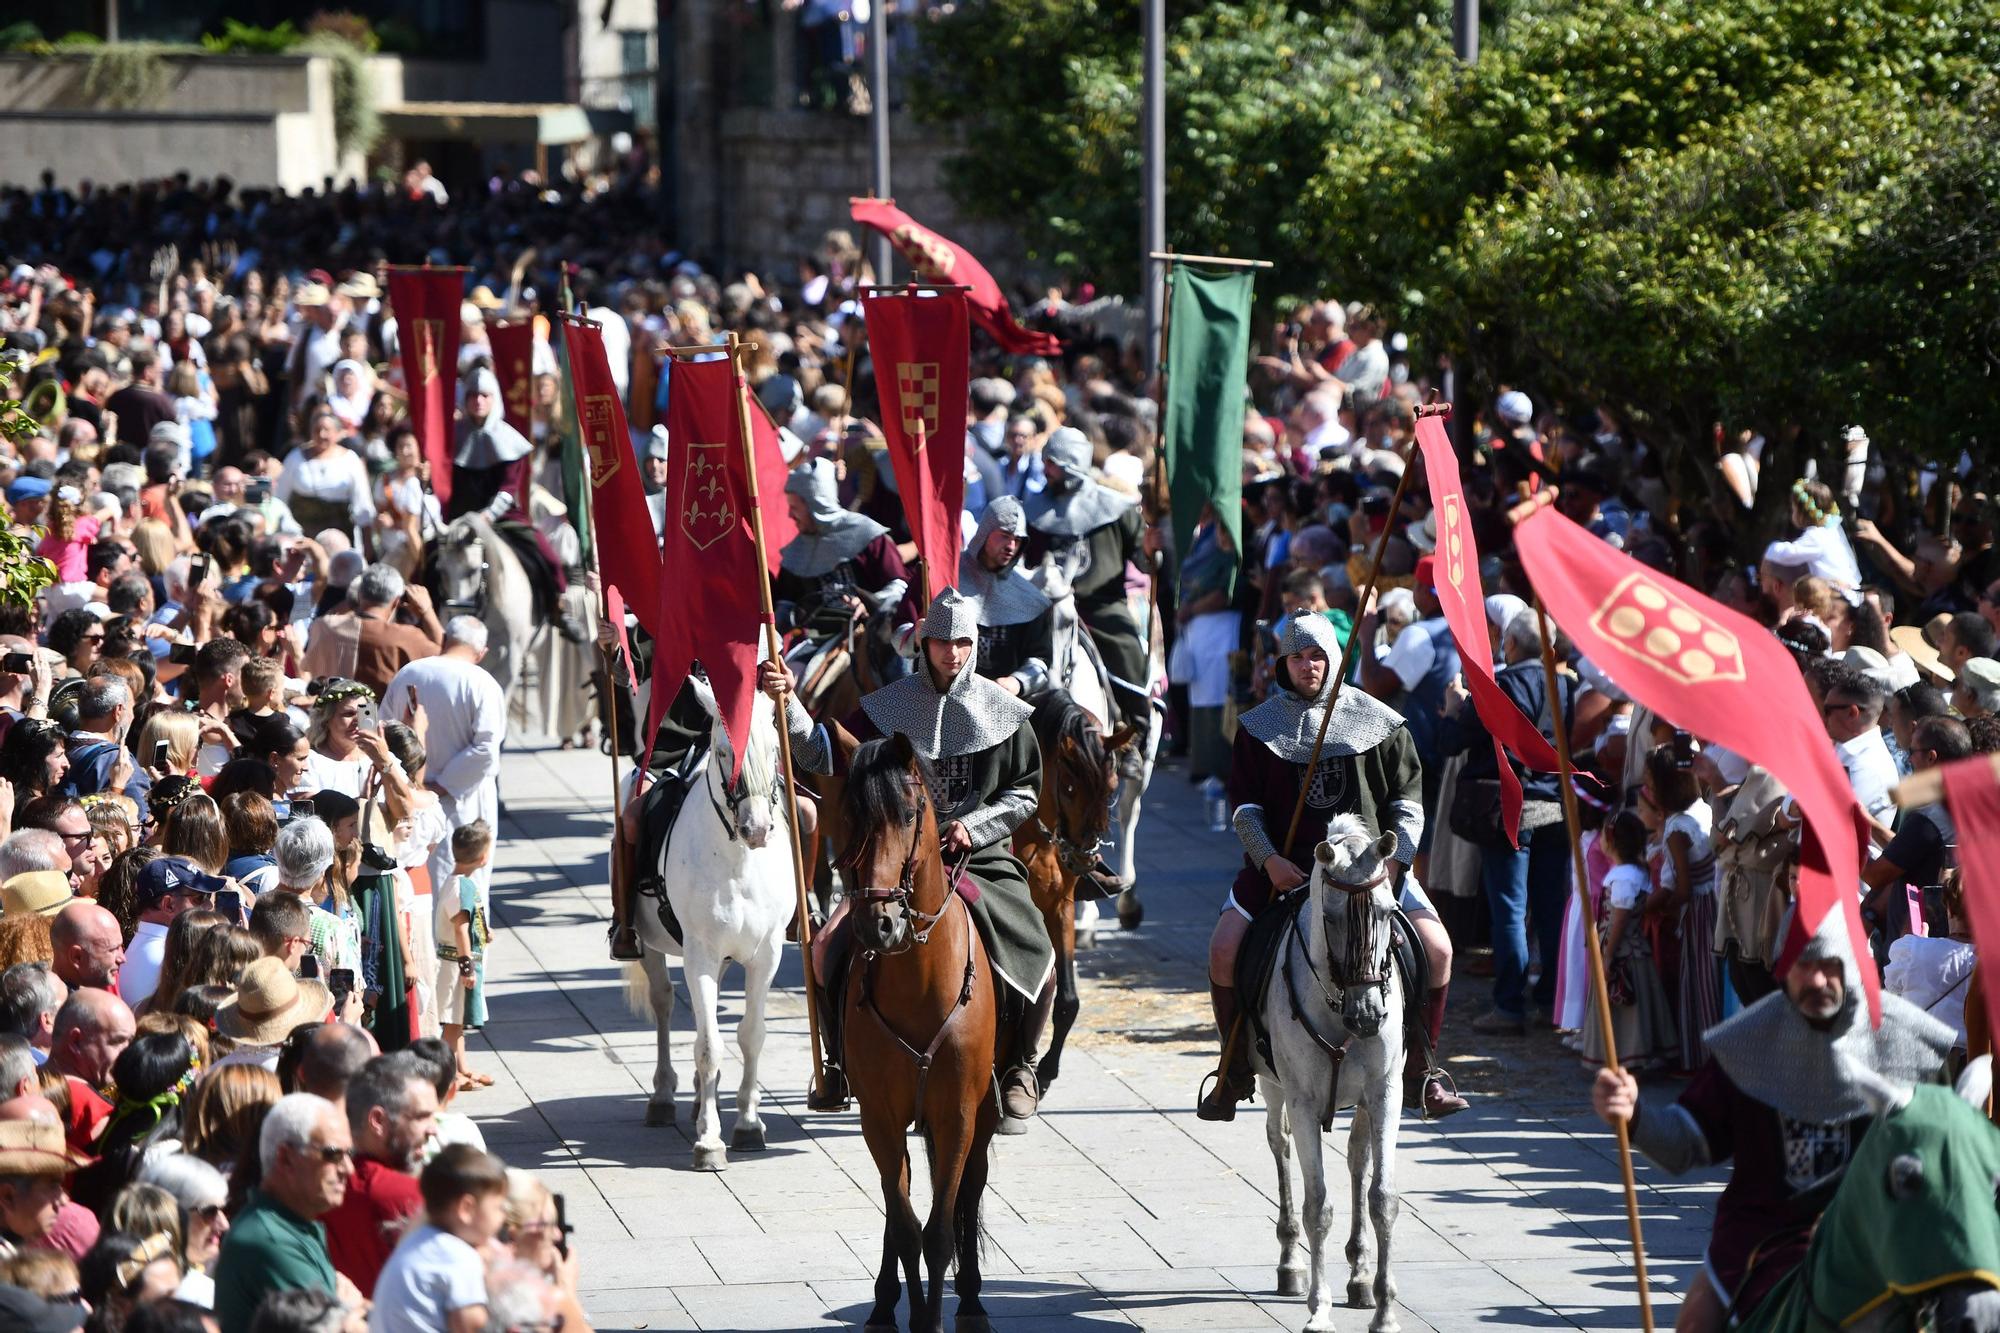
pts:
[175, 874]
[28, 488]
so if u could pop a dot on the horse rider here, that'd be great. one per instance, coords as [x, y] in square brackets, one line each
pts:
[1016, 623]
[1368, 768]
[1778, 1094]
[492, 470]
[842, 568]
[1094, 532]
[988, 768]
[1016, 619]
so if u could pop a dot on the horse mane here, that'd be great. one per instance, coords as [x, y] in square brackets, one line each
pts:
[878, 792]
[1058, 719]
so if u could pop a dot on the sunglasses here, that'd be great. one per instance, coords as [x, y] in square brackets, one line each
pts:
[329, 1153]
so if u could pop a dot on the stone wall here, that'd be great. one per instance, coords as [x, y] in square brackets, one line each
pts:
[787, 177]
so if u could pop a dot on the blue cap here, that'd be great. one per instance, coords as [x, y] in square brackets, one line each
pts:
[175, 874]
[28, 488]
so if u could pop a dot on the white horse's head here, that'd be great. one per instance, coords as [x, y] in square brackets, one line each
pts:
[1353, 907]
[751, 800]
[461, 564]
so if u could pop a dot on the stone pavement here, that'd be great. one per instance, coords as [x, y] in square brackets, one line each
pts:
[1118, 1208]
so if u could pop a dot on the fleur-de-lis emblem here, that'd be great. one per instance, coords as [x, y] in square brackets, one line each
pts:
[709, 513]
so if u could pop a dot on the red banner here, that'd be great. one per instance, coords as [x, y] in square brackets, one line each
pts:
[710, 552]
[1456, 575]
[769, 451]
[426, 303]
[1972, 794]
[938, 260]
[628, 555]
[1722, 676]
[514, 366]
[920, 347]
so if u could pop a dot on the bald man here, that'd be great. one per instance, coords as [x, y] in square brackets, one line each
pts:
[89, 946]
[93, 1028]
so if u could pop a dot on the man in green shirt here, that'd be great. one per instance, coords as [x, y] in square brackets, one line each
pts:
[277, 1244]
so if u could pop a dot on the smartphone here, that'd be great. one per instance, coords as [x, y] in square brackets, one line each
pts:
[309, 967]
[197, 571]
[302, 807]
[18, 664]
[1683, 749]
[562, 1227]
[340, 980]
[256, 492]
[364, 716]
[160, 754]
[283, 810]
[182, 654]
[230, 903]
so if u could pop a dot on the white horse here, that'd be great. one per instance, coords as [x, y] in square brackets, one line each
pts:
[1344, 1048]
[729, 882]
[1078, 668]
[543, 674]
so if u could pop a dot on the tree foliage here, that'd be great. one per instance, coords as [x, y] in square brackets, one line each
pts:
[1773, 212]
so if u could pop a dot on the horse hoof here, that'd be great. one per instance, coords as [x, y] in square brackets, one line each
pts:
[1291, 1281]
[1385, 1323]
[747, 1138]
[710, 1159]
[659, 1114]
[1130, 911]
[972, 1323]
[1359, 1296]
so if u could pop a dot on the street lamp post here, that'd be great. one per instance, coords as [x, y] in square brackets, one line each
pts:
[1465, 30]
[878, 124]
[1153, 223]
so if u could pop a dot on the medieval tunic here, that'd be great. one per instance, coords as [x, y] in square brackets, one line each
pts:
[836, 553]
[1094, 532]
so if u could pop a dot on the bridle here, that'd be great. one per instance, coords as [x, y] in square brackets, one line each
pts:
[1075, 857]
[736, 793]
[1357, 968]
[903, 894]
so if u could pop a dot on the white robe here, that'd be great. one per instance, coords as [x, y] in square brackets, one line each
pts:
[467, 717]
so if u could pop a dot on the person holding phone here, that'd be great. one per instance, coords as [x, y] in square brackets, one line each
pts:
[366, 642]
[347, 746]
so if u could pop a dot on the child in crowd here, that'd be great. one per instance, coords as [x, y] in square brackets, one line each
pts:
[1686, 900]
[438, 1269]
[1573, 997]
[263, 680]
[1642, 1019]
[461, 946]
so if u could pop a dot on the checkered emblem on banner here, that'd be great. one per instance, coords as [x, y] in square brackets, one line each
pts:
[600, 437]
[1648, 621]
[928, 255]
[917, 391]
[707, 514]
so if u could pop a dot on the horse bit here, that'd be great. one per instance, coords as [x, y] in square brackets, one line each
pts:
[1355, 969]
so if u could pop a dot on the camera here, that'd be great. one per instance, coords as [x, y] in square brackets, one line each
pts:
[18, 664]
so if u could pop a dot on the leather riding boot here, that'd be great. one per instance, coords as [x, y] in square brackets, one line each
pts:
[624, 934]
[1020, 1089]
[1426, 1086]
[1233, 1080]
[830, 994]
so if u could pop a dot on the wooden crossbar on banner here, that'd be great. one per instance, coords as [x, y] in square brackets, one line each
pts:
[1223, 261]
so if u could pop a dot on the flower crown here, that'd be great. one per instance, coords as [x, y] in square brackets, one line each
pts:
[338, 690]
[1803, 498]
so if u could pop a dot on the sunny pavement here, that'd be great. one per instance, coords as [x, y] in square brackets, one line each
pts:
[1119, 1208]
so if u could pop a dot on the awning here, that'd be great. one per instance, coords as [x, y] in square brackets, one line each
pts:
[488, 122]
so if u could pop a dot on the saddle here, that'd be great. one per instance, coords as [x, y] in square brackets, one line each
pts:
[657, 813]
[1263, 949]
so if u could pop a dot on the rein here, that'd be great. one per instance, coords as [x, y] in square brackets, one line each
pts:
[1353, 970]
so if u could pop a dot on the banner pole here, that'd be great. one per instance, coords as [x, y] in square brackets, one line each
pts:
[737, 347]
[1594, 950]
[1163, 497]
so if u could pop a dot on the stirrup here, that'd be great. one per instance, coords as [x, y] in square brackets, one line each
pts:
[831, 1095]
[1218, 1103]
[625, 946]
[1415, 1099]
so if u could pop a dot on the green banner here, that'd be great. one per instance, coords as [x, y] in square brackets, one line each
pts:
[1208, 362]
[576, 487]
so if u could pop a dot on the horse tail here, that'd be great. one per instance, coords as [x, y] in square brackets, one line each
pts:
[639, 992]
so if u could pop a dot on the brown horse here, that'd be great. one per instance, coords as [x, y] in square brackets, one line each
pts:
[831, 693]
[1079, 779]
[921, 1024]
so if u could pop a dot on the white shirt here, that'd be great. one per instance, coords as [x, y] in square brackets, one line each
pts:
[468, 720]
[1823, 551]
[139, 974]
[1871, 771]
[336, 475]
[346, 776]
[1933, 975]
[1410, 656]
[430, 1274]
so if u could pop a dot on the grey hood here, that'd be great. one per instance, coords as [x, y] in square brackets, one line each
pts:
[1289, 723]
[972, 715]
[834, 534]
[1008, 597]
[489, 443]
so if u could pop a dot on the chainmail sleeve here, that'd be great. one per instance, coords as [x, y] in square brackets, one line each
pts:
[1250, 831]
[1405, 807]
[1670, 1138]
[812, 751]
[1016, 796]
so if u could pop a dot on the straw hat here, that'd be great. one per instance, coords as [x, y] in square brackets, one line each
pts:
[310, 295]
[37, 1148]
[36, 893]
[1910, 638]
[360, 286]
[269, 1002]
[483, 297]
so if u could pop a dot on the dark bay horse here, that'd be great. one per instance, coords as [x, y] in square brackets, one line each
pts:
[1060, 843]
[921, 1025]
